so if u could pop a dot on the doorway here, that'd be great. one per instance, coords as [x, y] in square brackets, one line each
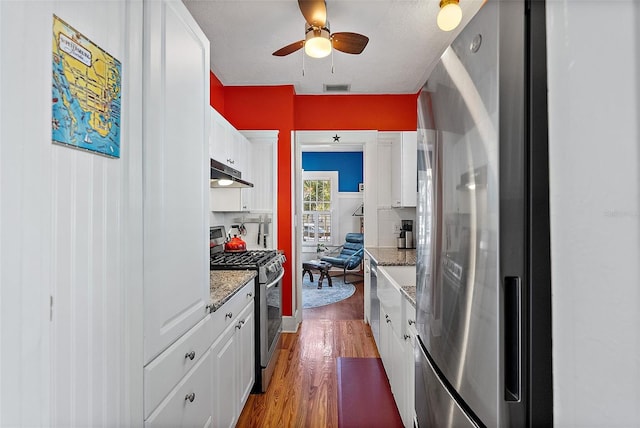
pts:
[326, 142]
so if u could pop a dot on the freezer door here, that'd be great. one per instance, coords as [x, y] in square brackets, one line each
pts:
[435, 407]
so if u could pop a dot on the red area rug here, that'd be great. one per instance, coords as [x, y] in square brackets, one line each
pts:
[364, 395]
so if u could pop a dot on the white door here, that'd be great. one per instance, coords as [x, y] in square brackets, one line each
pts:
[176, 174]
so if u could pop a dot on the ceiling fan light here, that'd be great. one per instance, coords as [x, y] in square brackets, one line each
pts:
[317, 43]
[450, 15]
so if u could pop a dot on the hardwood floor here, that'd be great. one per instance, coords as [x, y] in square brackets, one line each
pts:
[303, 390]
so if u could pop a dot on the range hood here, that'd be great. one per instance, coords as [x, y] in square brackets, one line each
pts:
[221, 174]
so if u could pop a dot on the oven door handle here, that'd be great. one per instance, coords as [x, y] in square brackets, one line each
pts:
[275, 281]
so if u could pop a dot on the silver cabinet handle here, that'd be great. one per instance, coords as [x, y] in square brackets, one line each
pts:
[388, 320]
[228, 315]
[411, 322]
[406, 336]
[190, 355]
[190, 397]
[209, 308]
[249, 295]
[240, 324]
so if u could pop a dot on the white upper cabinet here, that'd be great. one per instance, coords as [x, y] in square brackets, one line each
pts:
[384, 169]
[404, 170]
[175, 174]
[228, 145]
[264, 171]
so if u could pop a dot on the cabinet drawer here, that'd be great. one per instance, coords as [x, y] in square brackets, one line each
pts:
[224, 316]
[409, 322]
[189, 403]
[166, 370]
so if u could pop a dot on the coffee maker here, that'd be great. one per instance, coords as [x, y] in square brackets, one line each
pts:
[405, 240]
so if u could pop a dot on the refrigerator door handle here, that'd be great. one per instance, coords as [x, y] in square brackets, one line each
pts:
[512, 338]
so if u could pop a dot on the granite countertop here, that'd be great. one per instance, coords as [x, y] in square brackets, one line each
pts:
[389, 256]
[223, 284]
[410, 293]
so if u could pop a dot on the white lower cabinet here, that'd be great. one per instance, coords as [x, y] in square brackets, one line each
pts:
[247, 356]
[188, 404]
[224, 385]
[396, 344]
[410, 342]
[205, 377]
[233, 367]
[168, 369]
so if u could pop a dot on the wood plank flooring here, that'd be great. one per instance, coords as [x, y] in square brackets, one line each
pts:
[303, 390]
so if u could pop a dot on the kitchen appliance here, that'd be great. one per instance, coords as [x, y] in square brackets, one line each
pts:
[224, 176]
[483, 354]
[268, 300]
[407, 228]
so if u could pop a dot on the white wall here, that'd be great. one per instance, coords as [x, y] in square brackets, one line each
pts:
[594, 97]
[71, 228]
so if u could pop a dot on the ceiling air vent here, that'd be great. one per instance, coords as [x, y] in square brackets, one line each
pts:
[336, 88]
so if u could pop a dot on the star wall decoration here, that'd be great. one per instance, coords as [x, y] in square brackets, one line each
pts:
[336, 139]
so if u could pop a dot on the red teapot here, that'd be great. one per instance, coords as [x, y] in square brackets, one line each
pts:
[235, 245]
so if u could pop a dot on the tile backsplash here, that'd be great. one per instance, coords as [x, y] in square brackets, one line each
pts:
[251, 224]
[389, 222]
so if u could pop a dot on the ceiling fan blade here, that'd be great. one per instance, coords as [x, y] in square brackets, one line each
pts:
[289, 48]
[351, 43]
[314, 12]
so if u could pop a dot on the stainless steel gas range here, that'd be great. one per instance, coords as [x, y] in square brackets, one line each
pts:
[268, 298]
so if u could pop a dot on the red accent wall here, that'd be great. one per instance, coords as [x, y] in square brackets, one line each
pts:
[356, 112]
[216, 93]
[270, 107]
[278, 107]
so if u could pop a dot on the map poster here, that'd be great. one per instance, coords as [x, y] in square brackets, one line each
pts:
[86, 93]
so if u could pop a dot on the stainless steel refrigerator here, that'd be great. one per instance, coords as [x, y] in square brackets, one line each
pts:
[483, 273]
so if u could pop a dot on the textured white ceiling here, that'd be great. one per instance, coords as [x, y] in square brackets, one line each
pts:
[404, 43]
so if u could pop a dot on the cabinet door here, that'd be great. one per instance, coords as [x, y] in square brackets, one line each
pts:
[386, 179]
[404, 170]
[246, 354]
[225, 379]
[397, 375]
[385, 340]
[219, 137]
[410, 368]
[176, 174]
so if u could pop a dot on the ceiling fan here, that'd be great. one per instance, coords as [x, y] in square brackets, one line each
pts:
[318, 40]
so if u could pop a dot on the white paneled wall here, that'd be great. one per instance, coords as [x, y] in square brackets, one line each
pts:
[594, 178]
[70, 225]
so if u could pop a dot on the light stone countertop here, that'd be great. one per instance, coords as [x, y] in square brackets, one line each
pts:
[223, 284]
[410, 293]
[389, 256]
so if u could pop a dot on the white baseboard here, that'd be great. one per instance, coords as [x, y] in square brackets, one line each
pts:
[290, 324]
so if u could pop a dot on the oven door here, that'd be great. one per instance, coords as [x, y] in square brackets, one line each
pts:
[270, 317]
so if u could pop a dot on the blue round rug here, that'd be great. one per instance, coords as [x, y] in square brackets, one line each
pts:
[312, 297]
